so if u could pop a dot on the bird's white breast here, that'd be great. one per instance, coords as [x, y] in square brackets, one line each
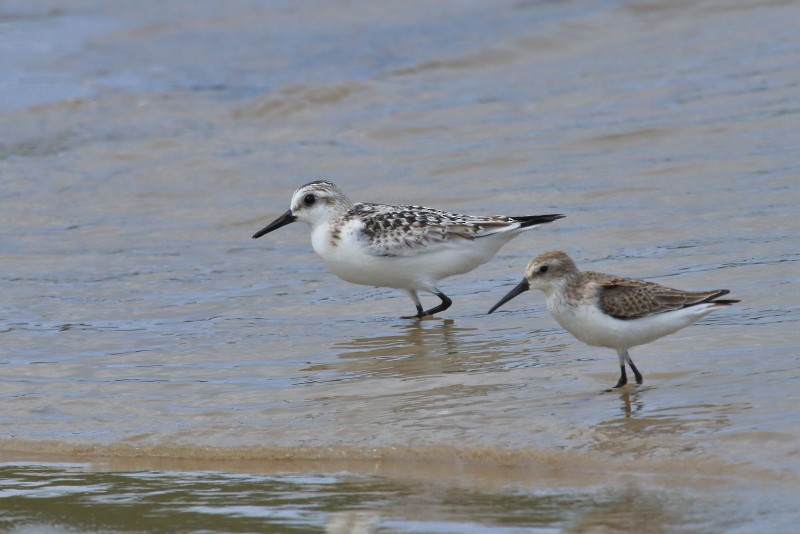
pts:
[346, 253]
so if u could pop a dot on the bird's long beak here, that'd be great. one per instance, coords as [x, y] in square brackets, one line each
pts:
[522, 287]
[283, 220]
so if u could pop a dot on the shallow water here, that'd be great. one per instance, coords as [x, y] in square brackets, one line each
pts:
[143, 331]
[99, 498]
[37, 496]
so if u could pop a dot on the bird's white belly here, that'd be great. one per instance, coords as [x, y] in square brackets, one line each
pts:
[358, 267]
[351, 260]
[590, 325]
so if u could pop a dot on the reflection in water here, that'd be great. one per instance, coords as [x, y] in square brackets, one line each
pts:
[71, 497]
[632, 510]
[425, 348]
[352, 522]
[631, 406]
[647, 430]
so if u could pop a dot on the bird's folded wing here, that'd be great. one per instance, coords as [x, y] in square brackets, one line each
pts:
[412, 230]
[626, 298]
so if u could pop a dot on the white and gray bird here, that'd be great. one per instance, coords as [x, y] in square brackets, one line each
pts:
[610, 311]
[403, 247]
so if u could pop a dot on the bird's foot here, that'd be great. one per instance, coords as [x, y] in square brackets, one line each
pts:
[420, 316]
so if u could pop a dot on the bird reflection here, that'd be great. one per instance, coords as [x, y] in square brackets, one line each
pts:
[415, 349]
[424, 348]
[635, 419]
[412, 340]
[631, 403]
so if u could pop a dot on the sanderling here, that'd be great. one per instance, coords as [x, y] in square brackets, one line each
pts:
[403, 247]
[604, 310]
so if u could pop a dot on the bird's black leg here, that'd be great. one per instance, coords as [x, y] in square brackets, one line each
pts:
[415, 298]
[446, 303]
[623, 377]
[636, 372]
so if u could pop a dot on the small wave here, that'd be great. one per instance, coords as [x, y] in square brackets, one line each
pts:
[295, 99]
[488, 58]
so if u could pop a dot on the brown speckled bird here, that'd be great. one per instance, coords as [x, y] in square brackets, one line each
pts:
[604, 310]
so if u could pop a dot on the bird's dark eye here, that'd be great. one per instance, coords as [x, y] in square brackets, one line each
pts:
[309, 199]
[543, 269]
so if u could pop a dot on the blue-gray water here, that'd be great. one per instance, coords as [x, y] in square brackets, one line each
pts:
[146, 340]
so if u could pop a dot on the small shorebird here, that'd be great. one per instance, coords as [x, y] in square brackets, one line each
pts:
[604, 310]
[404, 247]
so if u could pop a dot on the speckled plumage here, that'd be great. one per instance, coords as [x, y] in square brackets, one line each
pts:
[407, 230]
[613, 311]
[630, 298]
[405, 247]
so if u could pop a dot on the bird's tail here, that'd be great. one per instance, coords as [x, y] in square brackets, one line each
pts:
[725, 302]
[535, 220]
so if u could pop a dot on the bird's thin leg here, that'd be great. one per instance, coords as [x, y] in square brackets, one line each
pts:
[623, 376]
[636, 372]
[417, 303]
[446, 302]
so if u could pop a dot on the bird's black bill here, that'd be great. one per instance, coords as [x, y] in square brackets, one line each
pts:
[522, 287]
[283, 220]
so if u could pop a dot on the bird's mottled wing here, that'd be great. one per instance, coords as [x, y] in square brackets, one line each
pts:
[628, 298]
[411, 230]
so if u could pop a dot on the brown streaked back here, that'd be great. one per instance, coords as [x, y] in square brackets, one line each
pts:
[629, 298]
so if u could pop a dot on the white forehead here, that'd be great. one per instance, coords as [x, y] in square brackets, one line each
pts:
[320, 188]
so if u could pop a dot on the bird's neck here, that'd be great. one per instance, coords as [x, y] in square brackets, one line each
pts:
[566, 289]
